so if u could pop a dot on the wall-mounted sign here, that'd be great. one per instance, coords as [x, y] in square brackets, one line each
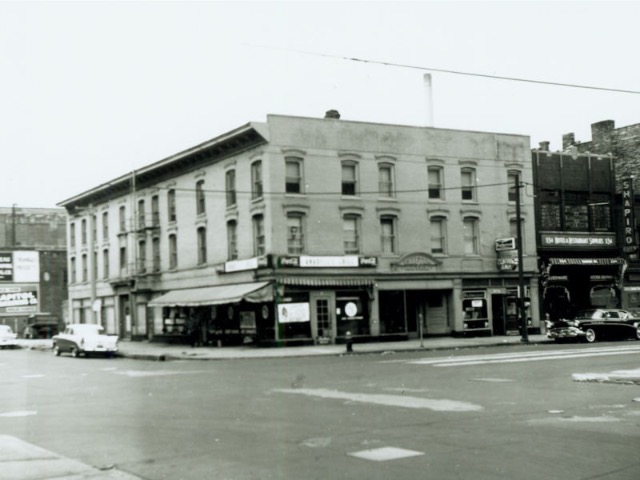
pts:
[628, 216]
[505, 244]
[293, 312]
[327, 261]
[245, 264]
[416, 261]
[507, 260]
[19, 299]
[573, 240]
[20, 266]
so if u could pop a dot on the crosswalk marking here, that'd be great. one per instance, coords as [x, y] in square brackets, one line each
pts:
[512, 357]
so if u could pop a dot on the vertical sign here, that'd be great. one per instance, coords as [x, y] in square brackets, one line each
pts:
[628, 216]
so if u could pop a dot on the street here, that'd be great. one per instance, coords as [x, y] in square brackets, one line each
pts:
[520, 412]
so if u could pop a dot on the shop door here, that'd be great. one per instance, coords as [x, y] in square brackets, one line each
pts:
[498, 318]
[436, 315]
[323, 325]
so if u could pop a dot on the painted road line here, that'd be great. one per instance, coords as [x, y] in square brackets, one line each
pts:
[531, 359]
[404, 401]
[384, 454]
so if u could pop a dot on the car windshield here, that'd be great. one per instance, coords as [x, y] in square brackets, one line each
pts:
[5, 329]
[590, 314]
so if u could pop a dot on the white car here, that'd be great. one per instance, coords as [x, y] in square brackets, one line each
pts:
[7, 337]
[84, 339]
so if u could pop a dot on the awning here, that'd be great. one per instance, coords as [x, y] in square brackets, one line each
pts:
[198, 297]
[337, 281]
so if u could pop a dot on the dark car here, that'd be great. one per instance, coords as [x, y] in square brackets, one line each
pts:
[596, 323]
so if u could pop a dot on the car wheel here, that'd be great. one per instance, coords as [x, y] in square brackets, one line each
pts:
[590, 336]
[56, 350]
[638, 333]
[75, 353]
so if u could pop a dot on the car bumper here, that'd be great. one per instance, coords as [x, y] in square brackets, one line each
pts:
[567, 332]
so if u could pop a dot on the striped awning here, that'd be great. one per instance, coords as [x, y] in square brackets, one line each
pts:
[326, 281]
[221, 294]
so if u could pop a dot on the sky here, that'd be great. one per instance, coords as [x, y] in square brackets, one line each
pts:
[93, 90]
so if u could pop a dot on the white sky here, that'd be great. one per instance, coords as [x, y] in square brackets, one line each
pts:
[93, 90]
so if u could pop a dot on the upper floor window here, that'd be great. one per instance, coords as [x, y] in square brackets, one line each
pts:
[173, 251]
[123, 260]
[385, 181]
[471, 236]
[85, 268]
[436, 184]
[94, 229]
[141, 214]
[84, 231]
[468, 180]
[388, 234]
[351, 234]
[171, 206]
[72, 235]
[293, 175]
[512, 178]
[155, 247]
[155, 210]
[295, 233]
[256, 180]
[349, 179]
[73, 267]
[438, 235]
[105, 225]
[202, 245]
[230, 187]
[258, 235]
[200, 198]
[105, 263]
[142, 256]
[122, 218]
[232, 240]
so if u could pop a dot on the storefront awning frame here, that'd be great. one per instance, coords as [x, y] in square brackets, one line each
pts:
[254, 292]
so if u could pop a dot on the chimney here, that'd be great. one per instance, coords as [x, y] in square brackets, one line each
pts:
[544, 146]
[428, 89]
[601, 136]
[332, 114]
[568, 140]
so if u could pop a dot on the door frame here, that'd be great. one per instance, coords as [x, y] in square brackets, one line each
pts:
[330, 296]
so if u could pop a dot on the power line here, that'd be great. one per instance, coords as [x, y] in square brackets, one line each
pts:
[452, 72]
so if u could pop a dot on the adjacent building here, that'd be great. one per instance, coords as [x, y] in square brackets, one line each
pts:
[301, 230]
[33, 268]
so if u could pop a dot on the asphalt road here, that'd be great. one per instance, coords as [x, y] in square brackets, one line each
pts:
[494, 413]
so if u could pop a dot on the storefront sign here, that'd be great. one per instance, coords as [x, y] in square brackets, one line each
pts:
[246, 264]
[628, 216]
[293, 312]
[417, 261]
[309, 261]
[578, 240]
[507, 260]
[19, 299]
[505, 244]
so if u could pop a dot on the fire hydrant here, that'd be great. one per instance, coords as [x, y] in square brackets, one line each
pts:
[349, 340]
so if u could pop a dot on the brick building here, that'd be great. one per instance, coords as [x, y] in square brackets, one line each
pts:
[300, 230]
[33, 277]
[623, 144]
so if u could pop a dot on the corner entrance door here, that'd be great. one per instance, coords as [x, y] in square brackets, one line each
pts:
[323, 327]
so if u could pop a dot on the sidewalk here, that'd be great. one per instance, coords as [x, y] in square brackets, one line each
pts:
[145, 350]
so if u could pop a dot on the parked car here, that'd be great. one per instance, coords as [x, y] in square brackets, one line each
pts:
[7, 337]
[596, 323]
[84, 339]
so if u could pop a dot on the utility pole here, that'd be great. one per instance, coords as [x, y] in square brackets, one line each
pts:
[13, 225]
[521, 307]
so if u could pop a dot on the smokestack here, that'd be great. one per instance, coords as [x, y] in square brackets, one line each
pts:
[428, 89]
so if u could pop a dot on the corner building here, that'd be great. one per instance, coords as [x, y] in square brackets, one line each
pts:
[309, 230]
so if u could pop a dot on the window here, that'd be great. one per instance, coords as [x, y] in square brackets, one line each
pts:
[293, 174]
[141, 215]
[256, 180]
[438, 235]
[142, 256]
[84, 267]
[230, 187]
[512, 178]
[155, 210]
[436, 187]
[350, 234]
[72, 235]
[202, 245]
[123, 260]
[105, 226]
[468, 179]
[388, 234]
[83, 231]
[232, 240]
[73, 270]
[258, 235]
[200, 198]
[295, 233]
[470, 226]
[171, 205]
[122, 219]
[155, 246]
[94, 229]
[173, 251]
[105, 263]
[385, 181]
[349, 179]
